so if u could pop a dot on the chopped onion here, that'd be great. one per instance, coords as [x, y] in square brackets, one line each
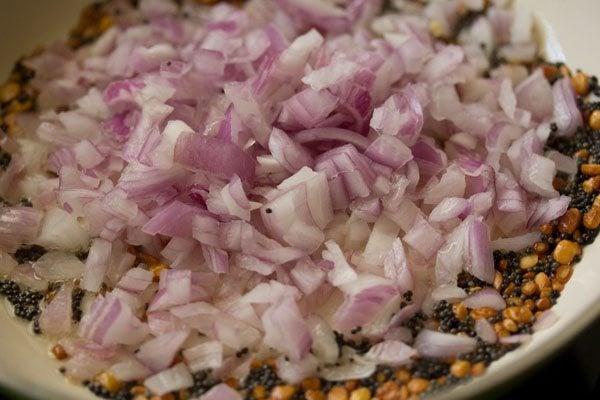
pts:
[548, 210]
[566, 113]
[111, 321]
[389, 150]
[535, 94]
[290, 155]
[448, 208]
[381, 240]
[136, 280]
[158, 353]
[286, 330]
[221, 391]
[18, 226]
[307, 276]
[301, 211]
[60, 229]
[437, 344]
[449, 293]
[56, 318]
[485, 331]
[349, 175]
[516, 243]
[207, 355]
[84, 366]
[401, 115]
[130, 369]
[329, 134]
[486, 297]
[24, 275]
[324, 344]
[366, 209]
[170, 380]
[7, 263]
[364, 297]
[177, 287]
[58, 266]
[341, 273]
[396, 268]
[291, 167]
[213, 155]
[96, 265]
[270, 292]
[480, 252]
[545, 320]
[391, 352]
[515, 339]
[423, 238]
[295, 372]
[563, 163]
[175, 220]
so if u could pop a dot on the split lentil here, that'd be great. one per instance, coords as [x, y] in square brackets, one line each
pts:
[59, 352]
[530, 288]
[109, 382]
[418, 385]
[360, 394]
[594, 120]
[591, 169]
[312, 394]
[529, 261]
[563, 273]
[282, 392]
[591, 219]
[569, 222]
[460, 368]
[338, 393]
[540, 248]
[542, 280]
[565, 251]
[478, 369]
[581, 83]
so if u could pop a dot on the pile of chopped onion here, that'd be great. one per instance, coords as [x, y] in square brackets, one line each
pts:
[299, 165]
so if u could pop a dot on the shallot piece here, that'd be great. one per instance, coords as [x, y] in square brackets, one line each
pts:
[267, 179]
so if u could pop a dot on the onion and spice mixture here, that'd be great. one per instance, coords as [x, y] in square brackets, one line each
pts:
[293, 199]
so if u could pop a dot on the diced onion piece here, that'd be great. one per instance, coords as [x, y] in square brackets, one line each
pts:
[60, 229]
[437, 344]
[288, 153]
[342, 272]
[56, 318]
[480, 252]
[221, 391]
[158, 353]
[364, 297]
[18, 226]
[566, 113]
[207, 355]
[324, 344]
[295, 372]
[286, 330]
[96, 265]
[486, 297]
[170, 380]
[58, 265]
[485, 331]
[391, 352]
[111, 321]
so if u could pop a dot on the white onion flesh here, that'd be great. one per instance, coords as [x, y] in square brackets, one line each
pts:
[293, 167]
